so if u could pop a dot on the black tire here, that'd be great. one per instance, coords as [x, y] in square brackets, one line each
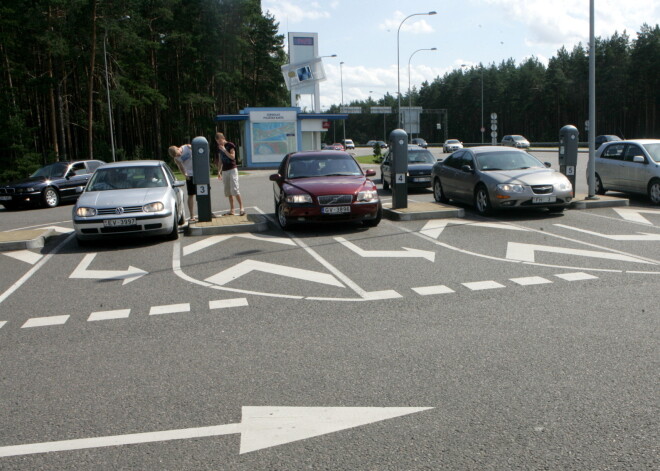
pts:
[174, 233]
[482, 200]
[386, 186]
[438, 192]
[281, 217]
[654, 191]
[374, 222]
[600, 189]
[556, 209]
[182, 218]
[50, 197]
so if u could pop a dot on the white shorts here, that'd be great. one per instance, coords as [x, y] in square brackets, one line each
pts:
[230, 181]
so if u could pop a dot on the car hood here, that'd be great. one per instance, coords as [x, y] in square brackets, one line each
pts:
[26, 182]
[115, 198]
[330, 185]
[527, 176]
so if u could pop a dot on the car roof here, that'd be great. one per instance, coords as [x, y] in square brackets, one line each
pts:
[320, 154]
[484, 149]
[634, 141]
[133, 163]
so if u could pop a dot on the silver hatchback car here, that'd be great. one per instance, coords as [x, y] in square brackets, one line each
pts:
[498, 178]
[138, 197]
[632, 166]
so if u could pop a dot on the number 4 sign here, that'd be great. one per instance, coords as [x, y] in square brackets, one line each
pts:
[400, 178]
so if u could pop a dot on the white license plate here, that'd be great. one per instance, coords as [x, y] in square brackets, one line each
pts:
[423, 179]
[336, 209]
[5, 198]
[544, 199]
[119, 222]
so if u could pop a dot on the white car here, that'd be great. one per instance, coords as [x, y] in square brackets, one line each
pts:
[516, 141]
[348, 144]
[451, 145]
[131, 198]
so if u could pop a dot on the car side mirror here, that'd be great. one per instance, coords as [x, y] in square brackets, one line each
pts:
[467, 168]
[275, 177]
[370, 172]
[178, 183]
[639, 159]
[547, 164]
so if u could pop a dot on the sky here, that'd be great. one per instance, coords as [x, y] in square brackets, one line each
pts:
[363, 34]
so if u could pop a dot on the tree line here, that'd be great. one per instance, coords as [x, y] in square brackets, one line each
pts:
[169, 67]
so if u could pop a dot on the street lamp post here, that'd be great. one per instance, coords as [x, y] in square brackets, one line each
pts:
[341, 80]
[398, 66]
[482, 101]
[107, 90]
[409, 95]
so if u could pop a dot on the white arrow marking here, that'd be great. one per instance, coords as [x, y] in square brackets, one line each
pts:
[209, 241]
[634, 214]
[81, 271]
[24, 256]
[641, 236]
[407, 253]
[260, 428]
[525, 253]
[434, 227]
[248, 266]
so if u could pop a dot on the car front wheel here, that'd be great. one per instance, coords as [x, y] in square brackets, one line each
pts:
[482, 200]
[51, 197]
[281, 217]
[654, 191]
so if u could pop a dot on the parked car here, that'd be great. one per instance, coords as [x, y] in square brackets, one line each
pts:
[451, 145]
[606, 138]
[324, 187]
[515, 140]
[500, 177]
[348, 144]
[630, 166]
[418, 141]
[130, 198]
[50, 185]
[420, 162]
[382, 144]
[338, 146]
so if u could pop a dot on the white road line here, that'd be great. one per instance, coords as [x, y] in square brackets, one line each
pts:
[108, 315]
[169, 309]
[45, 321]
[530, 280]
[480, 285]
[26, 256]
[226, 303]
[429, 290]
[2, 323]
[579, 276]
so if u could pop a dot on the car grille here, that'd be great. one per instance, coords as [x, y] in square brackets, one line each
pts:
[542, 189]
[121, 210]
[7, 191]
[336, 199]
[417, 173]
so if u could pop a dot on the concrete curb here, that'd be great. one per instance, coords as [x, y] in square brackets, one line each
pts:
[228, 225]
[22, 240]
[418, 211]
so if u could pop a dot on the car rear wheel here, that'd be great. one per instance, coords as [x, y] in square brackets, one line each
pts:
[482, 200]
[51, 198]
[600, 189]
[654, 191]
[438, 193]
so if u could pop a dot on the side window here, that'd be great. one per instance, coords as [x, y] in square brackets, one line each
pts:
[633, 151]
[614, 152]
[282, 166]
[169, 174]
[467, 159]
[386, 159]
[455, 160]
[79, 169]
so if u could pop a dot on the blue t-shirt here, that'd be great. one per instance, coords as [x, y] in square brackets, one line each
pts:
[186, 160]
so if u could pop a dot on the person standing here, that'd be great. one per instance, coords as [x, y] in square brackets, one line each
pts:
[228, 172]
[183, 159]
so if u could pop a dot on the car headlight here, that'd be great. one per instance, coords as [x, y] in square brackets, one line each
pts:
[299, 199]
[85, 212]
[367, 196]
[510, 188]
[153, 207]
[565, 186]
[24, 190]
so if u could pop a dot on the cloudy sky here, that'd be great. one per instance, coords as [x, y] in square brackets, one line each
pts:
[363, 34]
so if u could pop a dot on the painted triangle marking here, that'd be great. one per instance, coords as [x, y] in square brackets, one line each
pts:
[635, 215]
[247, 266]
[526, 253]
[640, 236]
[209, 241]
[434, 227]
[24, 256]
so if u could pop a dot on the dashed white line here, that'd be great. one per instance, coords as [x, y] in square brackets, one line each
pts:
[226, 303]
[2, 323]
[108, 315]
[45, 321]
[429, 290]
[169, 309]
[530, 280]
[578, 276]
[480, 285]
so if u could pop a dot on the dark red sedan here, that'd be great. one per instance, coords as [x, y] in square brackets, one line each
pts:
[326, 186]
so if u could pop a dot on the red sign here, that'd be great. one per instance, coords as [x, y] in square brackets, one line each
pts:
[326, 124]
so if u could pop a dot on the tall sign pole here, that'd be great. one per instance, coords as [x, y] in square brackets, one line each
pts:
[591, 164]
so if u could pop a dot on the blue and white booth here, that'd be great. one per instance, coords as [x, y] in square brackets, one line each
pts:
[268, 134]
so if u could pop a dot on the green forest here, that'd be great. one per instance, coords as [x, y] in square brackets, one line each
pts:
[167, 67]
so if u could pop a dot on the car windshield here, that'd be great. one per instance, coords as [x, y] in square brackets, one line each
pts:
[420, 157]
[56, 170]
[126, 178]
[653, 150]
[322, 167]
[518, 138]
[489, 161]
[452, 141]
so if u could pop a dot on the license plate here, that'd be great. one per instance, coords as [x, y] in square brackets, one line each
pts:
[544, 199]
[336, 209]
[423, 179]
[5, 198]
[119, 222]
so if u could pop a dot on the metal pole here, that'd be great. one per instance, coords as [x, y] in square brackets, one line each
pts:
[482, 103]
[591, 164]
[107, 89]
[409, 94]
[341, 79]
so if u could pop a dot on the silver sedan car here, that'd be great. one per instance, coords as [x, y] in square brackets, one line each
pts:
[139, 197]
[500, 177]
[632, 166]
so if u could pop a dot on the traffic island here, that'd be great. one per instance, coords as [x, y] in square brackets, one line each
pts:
[228, 224]
[416, 211]
[582, 202]
[22, 240]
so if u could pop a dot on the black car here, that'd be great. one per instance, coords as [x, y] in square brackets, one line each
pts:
[420, 162]
[600, 140]
[418, 141]
[50, 185]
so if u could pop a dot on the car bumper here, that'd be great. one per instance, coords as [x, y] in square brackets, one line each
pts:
[313, 213]
[95, 228]
[421, 181]
[530, 200]
[23, 199]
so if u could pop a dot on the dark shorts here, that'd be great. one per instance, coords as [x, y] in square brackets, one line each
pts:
[191, 187]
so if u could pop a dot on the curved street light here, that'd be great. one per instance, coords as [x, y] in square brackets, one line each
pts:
[409, 59]
[398, 66]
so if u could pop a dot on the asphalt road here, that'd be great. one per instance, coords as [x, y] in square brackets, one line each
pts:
[521, 341]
